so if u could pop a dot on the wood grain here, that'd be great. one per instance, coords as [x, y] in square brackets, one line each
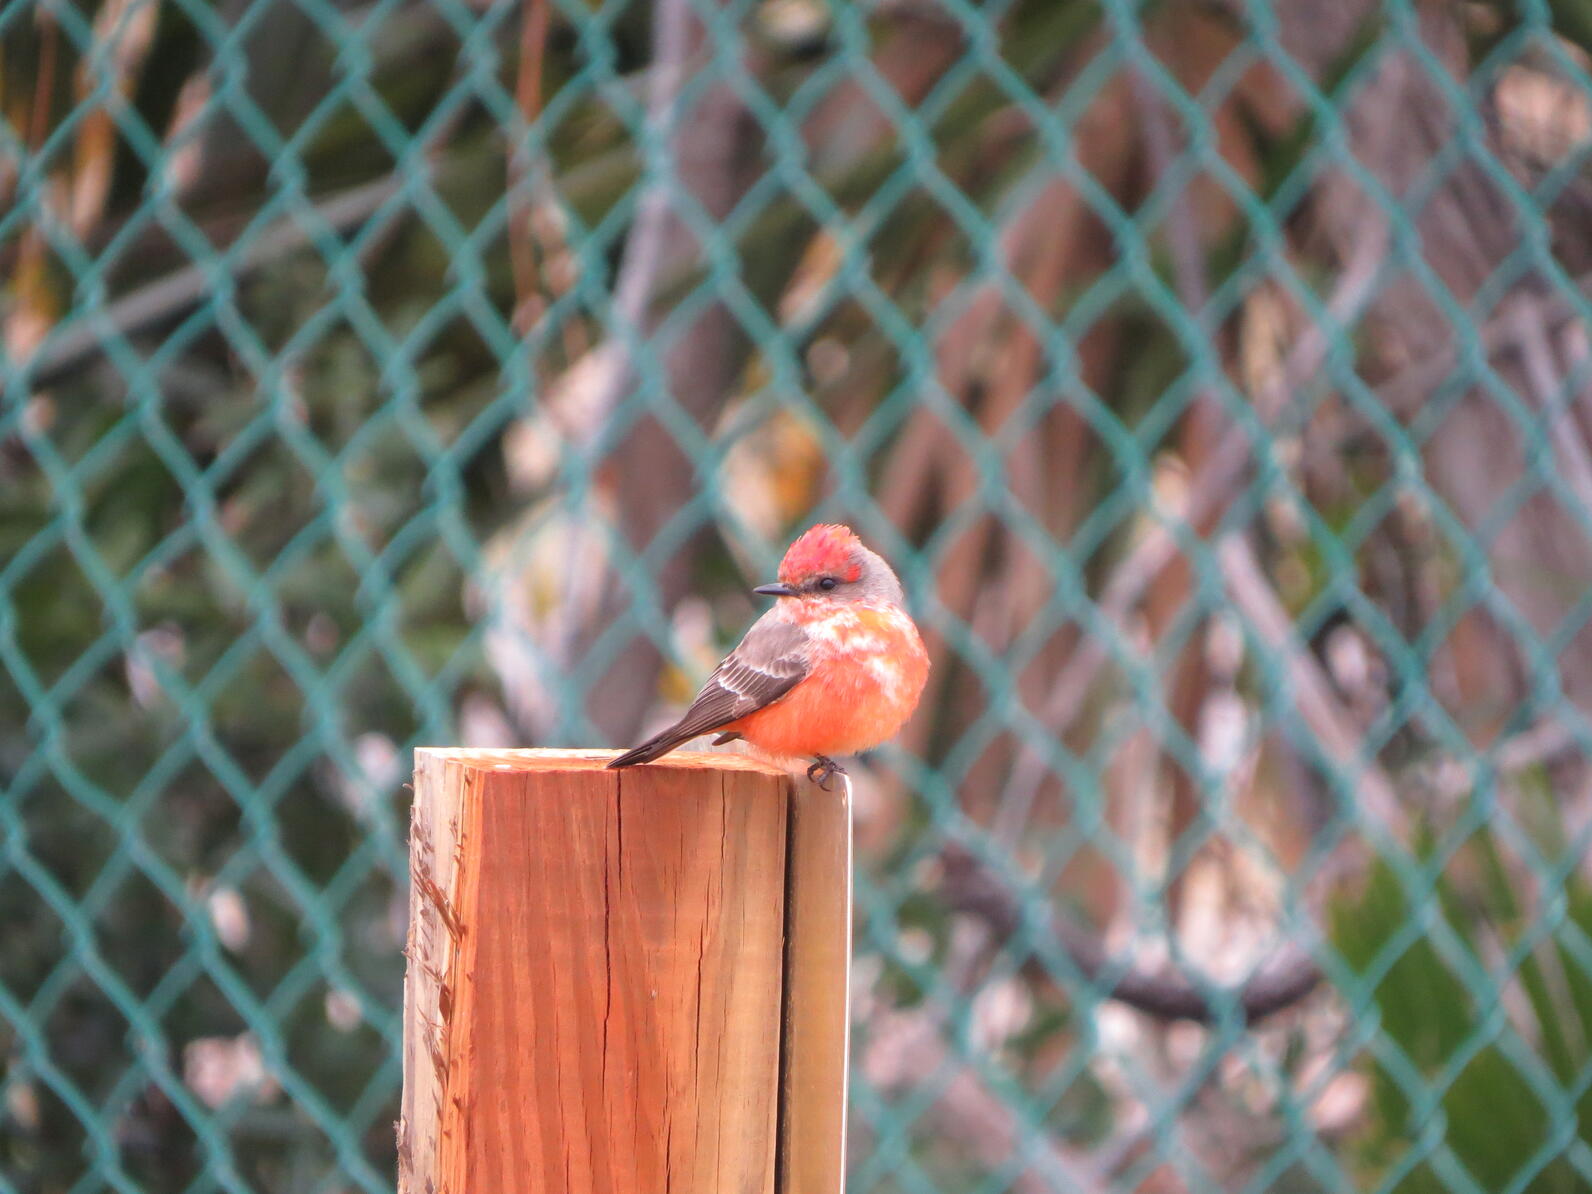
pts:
[596, 996]
[812, 1156]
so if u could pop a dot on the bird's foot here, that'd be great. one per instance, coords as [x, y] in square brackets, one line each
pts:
[822, 770]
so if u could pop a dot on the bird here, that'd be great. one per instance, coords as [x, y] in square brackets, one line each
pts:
[834, 667]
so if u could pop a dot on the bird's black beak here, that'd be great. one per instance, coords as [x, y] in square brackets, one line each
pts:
[775, 590]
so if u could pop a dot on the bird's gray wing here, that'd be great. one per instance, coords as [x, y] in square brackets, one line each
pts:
[768, 663]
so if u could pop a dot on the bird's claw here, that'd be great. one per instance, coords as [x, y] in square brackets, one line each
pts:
[823, 770]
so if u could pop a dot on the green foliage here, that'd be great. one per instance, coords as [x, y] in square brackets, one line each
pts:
[1464, 1068]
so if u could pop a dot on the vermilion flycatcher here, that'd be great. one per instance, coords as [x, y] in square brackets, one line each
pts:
[834, 668]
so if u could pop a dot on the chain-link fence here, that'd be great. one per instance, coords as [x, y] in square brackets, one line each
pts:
[441, 371]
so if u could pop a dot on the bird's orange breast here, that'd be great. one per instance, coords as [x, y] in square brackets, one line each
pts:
[868, 668]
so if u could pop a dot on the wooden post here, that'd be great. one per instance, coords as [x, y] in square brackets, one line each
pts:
[623, 982]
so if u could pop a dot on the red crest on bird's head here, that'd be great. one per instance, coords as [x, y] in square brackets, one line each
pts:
[824, 550]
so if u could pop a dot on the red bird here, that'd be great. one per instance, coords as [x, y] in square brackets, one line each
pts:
[836, 667]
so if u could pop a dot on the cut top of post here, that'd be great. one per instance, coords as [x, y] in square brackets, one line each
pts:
[590, 759]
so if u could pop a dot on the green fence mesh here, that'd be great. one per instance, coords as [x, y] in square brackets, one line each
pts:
[387, 372]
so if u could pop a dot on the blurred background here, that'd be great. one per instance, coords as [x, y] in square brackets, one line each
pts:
[392, 372]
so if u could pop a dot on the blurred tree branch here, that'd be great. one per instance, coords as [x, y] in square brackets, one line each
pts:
[708, 161]
[143, 309]
[1209, 493]
[970, 887]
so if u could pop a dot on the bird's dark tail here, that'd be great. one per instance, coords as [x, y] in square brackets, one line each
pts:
[659, 744]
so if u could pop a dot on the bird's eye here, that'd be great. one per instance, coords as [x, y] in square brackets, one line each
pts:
[828, 582]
